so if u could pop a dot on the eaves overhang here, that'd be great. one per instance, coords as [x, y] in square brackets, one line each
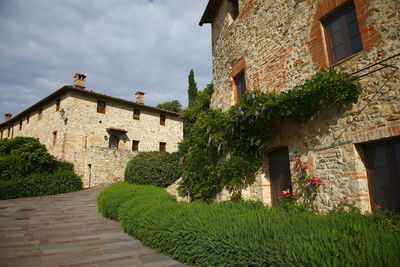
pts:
[210, 12]
[68, 88]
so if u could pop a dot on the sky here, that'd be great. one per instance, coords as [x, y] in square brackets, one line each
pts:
[122, 46]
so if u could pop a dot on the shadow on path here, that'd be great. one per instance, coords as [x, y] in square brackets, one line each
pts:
[67, 230]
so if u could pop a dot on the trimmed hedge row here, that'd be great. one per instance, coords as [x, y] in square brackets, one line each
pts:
[41, 184]
[247, 233]
[153, 168]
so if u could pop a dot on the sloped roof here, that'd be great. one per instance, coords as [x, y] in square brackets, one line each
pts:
[210, 12]
[68, 88]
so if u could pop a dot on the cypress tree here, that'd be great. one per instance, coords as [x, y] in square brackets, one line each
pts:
[192, 90]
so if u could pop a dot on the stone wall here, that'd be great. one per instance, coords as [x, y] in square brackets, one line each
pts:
[105, 165]
[280, 44]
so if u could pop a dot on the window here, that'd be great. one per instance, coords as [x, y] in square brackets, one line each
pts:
[163, 147]
[382, 161]
[113, 142]
[54, 138]
[135, 145]
[240, 83]
[342, 33]
[20, 125]
[136, 114]
[101, 107]
[27, 119]
[58, 103]
[162, 120]
[279, 171]
[8, 132]
[40, 114]
[233, 8]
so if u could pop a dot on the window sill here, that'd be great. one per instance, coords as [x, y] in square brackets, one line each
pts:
[358, 54]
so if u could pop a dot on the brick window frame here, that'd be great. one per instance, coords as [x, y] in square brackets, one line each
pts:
[101, 106]
[317, 44]
[238, 69]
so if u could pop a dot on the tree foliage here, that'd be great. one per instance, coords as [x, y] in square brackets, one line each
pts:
[192, 90]
[174, 106]
[223, 149]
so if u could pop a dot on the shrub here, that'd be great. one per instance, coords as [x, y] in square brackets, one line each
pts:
[41, 184]
[22, 156]
[153, 168]
[248, 234]
[27, 170]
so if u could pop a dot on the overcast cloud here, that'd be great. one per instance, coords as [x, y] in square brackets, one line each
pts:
[122, 46]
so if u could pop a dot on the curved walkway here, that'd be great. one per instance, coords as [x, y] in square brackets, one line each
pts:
[67, 230]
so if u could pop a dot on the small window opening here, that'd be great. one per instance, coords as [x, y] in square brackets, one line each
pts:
[163, 146]
[136, 114]
[54, 138]
[240, 83]
[20, 125]
[101, 107]
[58, 103]
[162, 120]
[113, 142]
[135, 145]
[27, 119]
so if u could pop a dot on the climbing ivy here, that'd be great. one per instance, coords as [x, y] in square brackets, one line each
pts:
[223, 149]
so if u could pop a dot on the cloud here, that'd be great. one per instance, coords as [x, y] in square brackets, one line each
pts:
[122, 46]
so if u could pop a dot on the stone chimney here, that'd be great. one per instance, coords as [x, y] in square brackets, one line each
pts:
[80, 81]
[139, 97]
[7, 116]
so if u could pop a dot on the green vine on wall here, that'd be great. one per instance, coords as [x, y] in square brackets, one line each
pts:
[224, 149]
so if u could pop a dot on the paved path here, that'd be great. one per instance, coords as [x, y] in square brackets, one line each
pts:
[67, 230]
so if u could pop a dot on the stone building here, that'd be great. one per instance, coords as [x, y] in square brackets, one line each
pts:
[273, 45]
[96, 132]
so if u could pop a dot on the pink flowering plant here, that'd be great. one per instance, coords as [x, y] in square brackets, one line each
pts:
[305, 188]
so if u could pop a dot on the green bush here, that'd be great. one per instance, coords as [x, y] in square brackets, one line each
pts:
[153, 168]
[28, 170]
[41, 184]
[22, 156]
[248, 234]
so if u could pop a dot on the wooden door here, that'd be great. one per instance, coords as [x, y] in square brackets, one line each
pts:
[279, 170]
[383, 168]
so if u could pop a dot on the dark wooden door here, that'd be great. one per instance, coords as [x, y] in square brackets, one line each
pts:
[279, 170]
[383, 167]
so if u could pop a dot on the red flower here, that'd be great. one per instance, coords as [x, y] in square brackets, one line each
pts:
[315, 181]
[342, 199]
[378, 207]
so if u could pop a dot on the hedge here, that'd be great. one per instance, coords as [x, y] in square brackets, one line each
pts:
[28, 170]
[153, 168]
[249, 234]
[41, 184]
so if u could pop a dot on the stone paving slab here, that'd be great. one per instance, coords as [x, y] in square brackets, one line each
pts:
[67, 230]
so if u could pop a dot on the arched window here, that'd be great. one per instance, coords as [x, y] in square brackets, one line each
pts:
[113, 142]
